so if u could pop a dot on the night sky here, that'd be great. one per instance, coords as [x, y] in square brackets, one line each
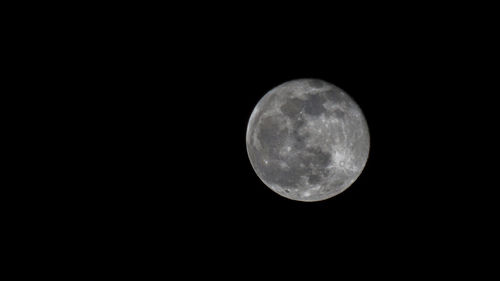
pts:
[161, 117]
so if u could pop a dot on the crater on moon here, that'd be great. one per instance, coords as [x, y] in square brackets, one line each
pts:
[307, 140]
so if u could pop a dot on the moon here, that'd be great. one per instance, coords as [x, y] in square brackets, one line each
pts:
[307, 140]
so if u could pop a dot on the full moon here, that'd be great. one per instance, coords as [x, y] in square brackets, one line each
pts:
[307, 140]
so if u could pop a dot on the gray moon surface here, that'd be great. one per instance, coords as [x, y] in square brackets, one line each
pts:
[307, 140]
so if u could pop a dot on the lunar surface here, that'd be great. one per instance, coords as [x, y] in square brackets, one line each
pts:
[307, 140]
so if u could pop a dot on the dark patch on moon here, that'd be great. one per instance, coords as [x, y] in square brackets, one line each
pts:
[299, 141]
[316, 158]
[314, 105]
[315, 83]
[339, 114]
[314, 179]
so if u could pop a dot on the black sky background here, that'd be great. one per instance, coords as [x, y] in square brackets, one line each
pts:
[158, 122]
